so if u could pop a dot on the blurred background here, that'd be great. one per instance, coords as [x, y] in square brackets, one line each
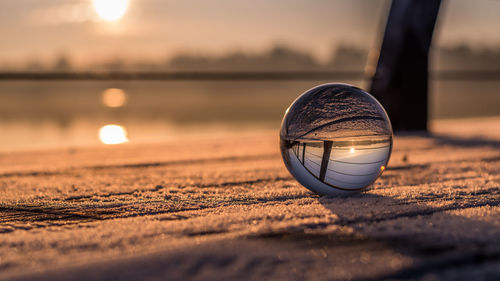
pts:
[95, 72]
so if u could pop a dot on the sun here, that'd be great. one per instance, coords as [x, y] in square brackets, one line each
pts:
[113, 134]
[110, 10]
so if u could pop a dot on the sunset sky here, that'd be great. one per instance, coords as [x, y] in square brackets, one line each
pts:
[158, 29]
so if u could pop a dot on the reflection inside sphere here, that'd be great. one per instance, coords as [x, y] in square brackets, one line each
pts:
[336, 138]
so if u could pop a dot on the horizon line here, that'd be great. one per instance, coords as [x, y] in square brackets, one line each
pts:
[442, 75]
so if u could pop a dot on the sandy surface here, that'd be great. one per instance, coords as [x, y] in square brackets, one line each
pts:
[225, 208]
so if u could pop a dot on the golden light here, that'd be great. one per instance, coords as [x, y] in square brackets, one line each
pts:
[352, 150]
[114, 97]
[113, 134]
[110, 10]
[382, 168]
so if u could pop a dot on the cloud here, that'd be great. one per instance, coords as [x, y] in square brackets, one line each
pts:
[70, 13]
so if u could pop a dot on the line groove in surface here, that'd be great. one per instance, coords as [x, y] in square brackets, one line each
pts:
[160, 187]
[66, 171]
[425, 212]
[95, 216]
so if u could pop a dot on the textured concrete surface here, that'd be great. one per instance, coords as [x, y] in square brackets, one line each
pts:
[225, 208]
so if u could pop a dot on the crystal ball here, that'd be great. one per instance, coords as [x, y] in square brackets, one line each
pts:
[336, 139]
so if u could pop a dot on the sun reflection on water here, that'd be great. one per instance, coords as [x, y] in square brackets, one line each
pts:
[113, 134]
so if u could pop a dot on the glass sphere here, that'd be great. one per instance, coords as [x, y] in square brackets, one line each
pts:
[335, 139]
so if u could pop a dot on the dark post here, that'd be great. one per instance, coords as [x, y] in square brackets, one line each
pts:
[327, 150]
[400, 81]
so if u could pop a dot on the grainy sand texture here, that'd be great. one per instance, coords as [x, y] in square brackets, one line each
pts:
[225, 208]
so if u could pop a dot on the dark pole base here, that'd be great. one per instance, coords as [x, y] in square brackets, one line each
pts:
[401, 78]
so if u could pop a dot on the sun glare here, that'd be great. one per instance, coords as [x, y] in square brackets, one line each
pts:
[114, 97]
[113, 134]
[110, 10]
